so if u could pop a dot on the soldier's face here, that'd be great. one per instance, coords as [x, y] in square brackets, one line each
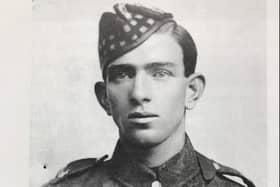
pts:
[146, 90]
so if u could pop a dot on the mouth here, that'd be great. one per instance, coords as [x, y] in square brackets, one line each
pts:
[142, 117]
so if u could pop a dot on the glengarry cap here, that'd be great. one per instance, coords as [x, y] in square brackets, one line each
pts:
[126, 29]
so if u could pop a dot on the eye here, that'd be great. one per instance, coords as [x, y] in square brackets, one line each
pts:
[160, 74]
[119, 75]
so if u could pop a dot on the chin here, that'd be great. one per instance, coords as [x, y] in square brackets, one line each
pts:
[144, 139]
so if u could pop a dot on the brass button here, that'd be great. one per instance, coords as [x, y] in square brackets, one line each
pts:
[156, 184]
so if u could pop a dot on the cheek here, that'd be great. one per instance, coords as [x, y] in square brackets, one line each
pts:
[173, 100]
[175, 93]
[177, 102]
[117, 98]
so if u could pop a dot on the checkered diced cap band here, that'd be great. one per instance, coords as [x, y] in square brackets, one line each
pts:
[126, 29]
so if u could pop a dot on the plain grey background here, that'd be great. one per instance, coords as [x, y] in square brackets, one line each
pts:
[229, 123]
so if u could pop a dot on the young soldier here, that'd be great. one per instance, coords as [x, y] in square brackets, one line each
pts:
[148, 64]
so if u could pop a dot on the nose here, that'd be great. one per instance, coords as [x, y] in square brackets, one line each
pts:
[140, 90]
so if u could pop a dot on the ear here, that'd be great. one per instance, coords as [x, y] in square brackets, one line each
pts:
[100, 92]
[195, 88]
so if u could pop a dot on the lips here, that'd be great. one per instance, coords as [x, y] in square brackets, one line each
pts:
[142, 117]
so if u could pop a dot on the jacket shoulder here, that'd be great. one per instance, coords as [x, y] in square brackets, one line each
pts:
[74, 169]
[218, 174]
[232, 175]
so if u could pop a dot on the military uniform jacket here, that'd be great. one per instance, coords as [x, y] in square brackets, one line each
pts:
[187, 168]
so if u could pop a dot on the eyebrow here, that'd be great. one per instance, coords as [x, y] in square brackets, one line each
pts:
[118, 67]
[146, 66]
[159, 64]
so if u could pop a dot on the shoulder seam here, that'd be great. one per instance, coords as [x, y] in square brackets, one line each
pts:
[224, 170]
[67, 171]
[226, 178]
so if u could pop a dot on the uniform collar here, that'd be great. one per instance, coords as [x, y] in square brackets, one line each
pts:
[207, 168]
[182, 168]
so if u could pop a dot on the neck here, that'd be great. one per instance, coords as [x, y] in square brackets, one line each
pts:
[157, 155]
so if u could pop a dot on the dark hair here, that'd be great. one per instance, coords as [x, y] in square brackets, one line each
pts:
[184, 39]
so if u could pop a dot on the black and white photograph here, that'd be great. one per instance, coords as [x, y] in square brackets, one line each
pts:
[161, 93]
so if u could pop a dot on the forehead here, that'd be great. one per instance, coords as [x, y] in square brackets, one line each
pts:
[158, 48]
